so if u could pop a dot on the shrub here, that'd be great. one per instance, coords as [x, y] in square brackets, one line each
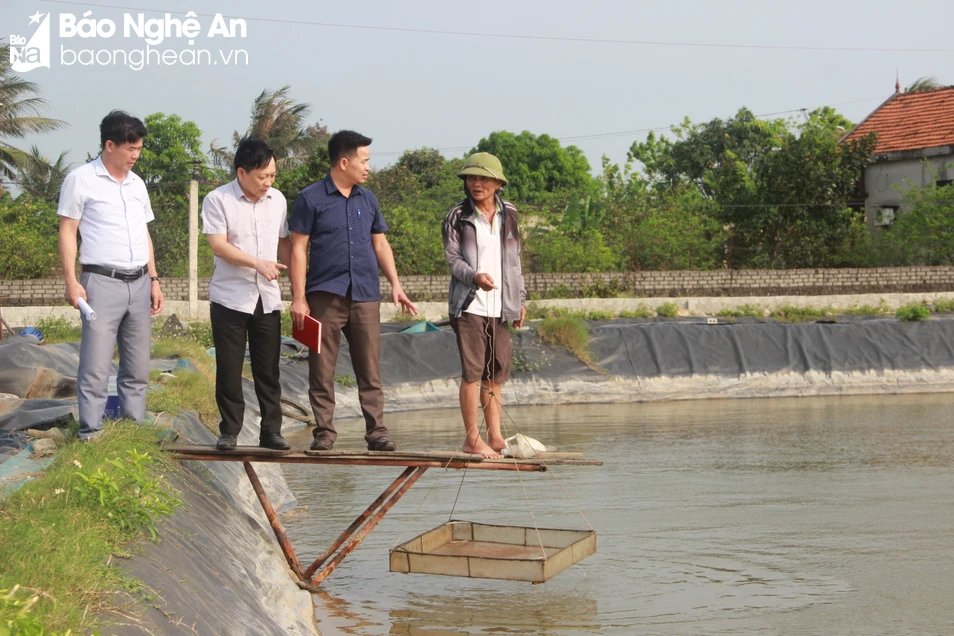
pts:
[667, 310]
[559, 291]
[944, 305]
[913, 312]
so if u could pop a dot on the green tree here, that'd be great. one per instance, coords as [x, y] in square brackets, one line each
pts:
[538, 168]
[19, 115]
[171, 154]
[279, 120]
[28, 238]
[923, 234]
[40, 178]
[780, 190]
[923, 85]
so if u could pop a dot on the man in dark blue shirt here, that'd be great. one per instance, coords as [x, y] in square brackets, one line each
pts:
[338, 234]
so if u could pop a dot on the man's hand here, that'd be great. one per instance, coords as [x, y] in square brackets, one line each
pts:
[75, 291]
[523, 315]
[484, 281]
[158, 298]
[401, 299]
[299, 309]
[269, 269]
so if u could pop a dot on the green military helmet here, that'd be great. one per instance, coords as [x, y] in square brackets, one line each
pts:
[483, 164]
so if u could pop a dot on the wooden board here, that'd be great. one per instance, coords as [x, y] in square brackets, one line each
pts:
[473, 550]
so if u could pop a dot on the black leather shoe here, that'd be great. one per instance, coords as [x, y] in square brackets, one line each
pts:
[226, 443]
[382, 444]
[322, 444]
[275, 441]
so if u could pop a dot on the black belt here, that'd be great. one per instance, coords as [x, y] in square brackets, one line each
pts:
[125, 275]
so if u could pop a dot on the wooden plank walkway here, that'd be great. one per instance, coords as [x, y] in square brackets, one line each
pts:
[415, 464]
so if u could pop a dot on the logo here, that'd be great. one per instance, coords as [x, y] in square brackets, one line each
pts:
[28, 54]
[135, 41]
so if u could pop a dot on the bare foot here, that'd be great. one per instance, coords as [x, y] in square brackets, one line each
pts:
[481, 448]
[496, 442]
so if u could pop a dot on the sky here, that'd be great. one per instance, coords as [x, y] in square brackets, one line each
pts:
[444, 73]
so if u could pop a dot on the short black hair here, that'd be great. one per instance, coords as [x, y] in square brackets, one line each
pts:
[252, 154]
[121, 128]
[344, 144]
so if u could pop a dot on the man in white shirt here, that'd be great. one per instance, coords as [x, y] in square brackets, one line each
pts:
[245, 222]
[108, 205]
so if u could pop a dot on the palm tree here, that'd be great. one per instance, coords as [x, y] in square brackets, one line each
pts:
[19, 115]
[40, 178]
[923, 84]
[278, 120]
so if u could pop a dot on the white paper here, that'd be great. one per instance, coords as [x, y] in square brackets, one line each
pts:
[88, 312]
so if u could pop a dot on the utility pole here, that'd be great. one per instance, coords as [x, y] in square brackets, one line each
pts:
[194, 242]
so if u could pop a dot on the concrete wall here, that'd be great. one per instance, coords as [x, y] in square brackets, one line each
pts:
[888, 178]
[649, 284]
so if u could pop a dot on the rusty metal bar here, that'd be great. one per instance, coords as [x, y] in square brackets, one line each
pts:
[368, 527]
[523, 465]
[277, 528]
[357, 523]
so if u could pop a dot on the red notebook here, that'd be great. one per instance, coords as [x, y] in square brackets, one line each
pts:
[309, 335]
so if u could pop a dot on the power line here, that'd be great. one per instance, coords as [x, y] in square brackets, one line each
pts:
[539, 38]
[629, 133]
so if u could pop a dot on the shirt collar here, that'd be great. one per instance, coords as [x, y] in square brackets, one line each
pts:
[331, 188]
[240, 193]
[101, 171]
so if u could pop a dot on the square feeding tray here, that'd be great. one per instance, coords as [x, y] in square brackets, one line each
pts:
[482, 551]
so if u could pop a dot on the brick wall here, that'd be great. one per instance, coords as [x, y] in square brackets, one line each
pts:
[752, 282]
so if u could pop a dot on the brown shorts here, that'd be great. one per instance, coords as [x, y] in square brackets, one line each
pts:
[484, 345]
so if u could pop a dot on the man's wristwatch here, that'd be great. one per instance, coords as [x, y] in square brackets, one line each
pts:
[155, 279]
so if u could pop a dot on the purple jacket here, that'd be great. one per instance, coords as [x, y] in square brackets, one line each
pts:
[460, 249]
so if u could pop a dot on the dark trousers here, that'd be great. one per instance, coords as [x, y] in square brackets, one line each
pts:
[360, 322]
[230, 331]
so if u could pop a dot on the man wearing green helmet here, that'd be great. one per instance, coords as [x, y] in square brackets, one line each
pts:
[482, 247]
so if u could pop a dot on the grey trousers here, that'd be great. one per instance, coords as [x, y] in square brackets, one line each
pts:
[123, 318]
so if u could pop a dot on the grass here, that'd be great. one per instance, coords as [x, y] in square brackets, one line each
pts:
[743, 311]
[59, 532]
[869, 310]
[944, 305]
[801, 314]
[56, 330]
[640, 312]
[569, 332]
[187, 390]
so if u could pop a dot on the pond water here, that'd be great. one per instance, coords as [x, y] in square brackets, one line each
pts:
[811, 515]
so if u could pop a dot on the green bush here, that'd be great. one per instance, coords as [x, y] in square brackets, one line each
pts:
[913, 312]
[559, 291]
[28, 238]
[944, 305]
[667, 310]
[58, 329]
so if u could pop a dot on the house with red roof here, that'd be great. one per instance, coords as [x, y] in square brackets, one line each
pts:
[915, 147]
